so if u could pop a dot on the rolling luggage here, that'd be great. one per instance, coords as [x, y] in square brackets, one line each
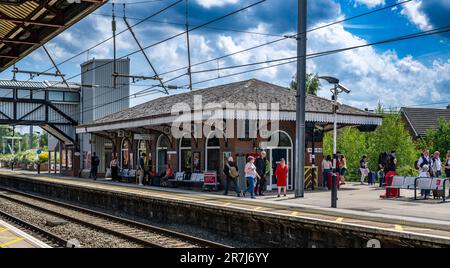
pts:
[371, 178]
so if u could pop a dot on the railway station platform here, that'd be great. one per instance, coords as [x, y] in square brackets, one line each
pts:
[11, 237]
[361, 212]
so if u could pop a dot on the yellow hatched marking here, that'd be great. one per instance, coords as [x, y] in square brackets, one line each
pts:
[18, 239]
[340, 220]
[2, 230]
[399, 228]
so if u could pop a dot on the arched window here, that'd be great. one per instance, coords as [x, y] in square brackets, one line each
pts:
[143, 148]
[284, 140]
[185, 154]
[163, 145]
[125, 154]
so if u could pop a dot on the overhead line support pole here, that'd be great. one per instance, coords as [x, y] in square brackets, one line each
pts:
[301, 101]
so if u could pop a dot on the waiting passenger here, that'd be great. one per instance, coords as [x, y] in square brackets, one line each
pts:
[141, 169]
[425, 174]
[166, 176]
[281, 175]
[95, 162]
[231, 172]
[251, 175]
[114, 166]
[327, 165]
[364, 168]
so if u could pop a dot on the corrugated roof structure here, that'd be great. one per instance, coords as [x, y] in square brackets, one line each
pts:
[27, 25]
[47, 85]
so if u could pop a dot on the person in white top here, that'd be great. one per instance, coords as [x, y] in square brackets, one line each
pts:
[251, 175]
[425, 174]
[436, 164]
[327, 165]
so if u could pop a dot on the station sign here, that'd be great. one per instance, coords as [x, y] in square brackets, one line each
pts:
[143, 137]
[210, 178]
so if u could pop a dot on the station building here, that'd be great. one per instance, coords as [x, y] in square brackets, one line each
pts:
[147, 128]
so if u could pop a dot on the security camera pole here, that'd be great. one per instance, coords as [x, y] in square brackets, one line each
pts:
[301, 101]
[338, 88]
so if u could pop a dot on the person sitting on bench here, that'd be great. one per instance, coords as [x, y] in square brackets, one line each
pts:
[425, 174]
[166, 176]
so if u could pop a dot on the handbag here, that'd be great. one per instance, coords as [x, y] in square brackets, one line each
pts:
[108, 173]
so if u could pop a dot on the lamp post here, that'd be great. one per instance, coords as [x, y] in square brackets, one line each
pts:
[338, 88]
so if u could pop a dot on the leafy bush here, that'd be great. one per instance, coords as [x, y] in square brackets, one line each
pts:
[407, 171]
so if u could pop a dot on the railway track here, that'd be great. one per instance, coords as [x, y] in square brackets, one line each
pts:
[143, 234]
[45, 236]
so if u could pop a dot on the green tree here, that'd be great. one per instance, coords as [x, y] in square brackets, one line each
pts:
[439, 139]
[390, 136]
[312, 84]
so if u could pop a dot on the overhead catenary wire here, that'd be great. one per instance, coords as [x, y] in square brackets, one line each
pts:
[309, 56]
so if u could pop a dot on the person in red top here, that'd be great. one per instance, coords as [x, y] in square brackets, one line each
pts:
[281, 175]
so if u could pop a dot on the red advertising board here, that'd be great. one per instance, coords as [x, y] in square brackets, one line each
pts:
[210, 178]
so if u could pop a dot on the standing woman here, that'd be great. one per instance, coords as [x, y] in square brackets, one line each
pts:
[281, 175]
[114, 165]
[251, 175]
[343, 168]
[326, 167]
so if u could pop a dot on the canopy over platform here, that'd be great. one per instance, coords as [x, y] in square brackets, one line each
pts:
[159, 111]
[26, 25]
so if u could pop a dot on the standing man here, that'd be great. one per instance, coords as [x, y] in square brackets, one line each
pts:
[261, 168]
[95, 162]
[141, 168]
[436, 164]
[231, 171]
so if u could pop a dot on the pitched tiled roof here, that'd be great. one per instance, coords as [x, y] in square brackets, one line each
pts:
[421, 120]
[251, 91]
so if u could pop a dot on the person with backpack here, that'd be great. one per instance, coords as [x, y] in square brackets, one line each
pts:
[231, 172]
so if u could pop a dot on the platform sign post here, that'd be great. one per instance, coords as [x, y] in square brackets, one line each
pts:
[210, 179]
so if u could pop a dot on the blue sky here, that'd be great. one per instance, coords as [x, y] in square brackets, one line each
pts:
[407, 73]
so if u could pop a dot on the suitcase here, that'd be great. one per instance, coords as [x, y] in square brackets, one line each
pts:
[371, 178]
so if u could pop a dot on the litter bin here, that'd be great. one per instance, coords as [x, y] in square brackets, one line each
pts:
[330, 180]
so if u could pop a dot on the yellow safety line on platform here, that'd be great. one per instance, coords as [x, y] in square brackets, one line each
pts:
[399, 228]
[340, 220]
[258, 209]
[18, 239]
[294, 214]
[2, 230]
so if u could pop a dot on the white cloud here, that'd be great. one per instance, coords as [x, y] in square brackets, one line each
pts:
[216, 3]
[375, 76]
[412, 11]
[370, 3]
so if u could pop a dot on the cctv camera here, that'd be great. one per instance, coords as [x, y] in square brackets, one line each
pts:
[344, 89]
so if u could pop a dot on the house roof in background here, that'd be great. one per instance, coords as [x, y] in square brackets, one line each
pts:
[423, 119]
